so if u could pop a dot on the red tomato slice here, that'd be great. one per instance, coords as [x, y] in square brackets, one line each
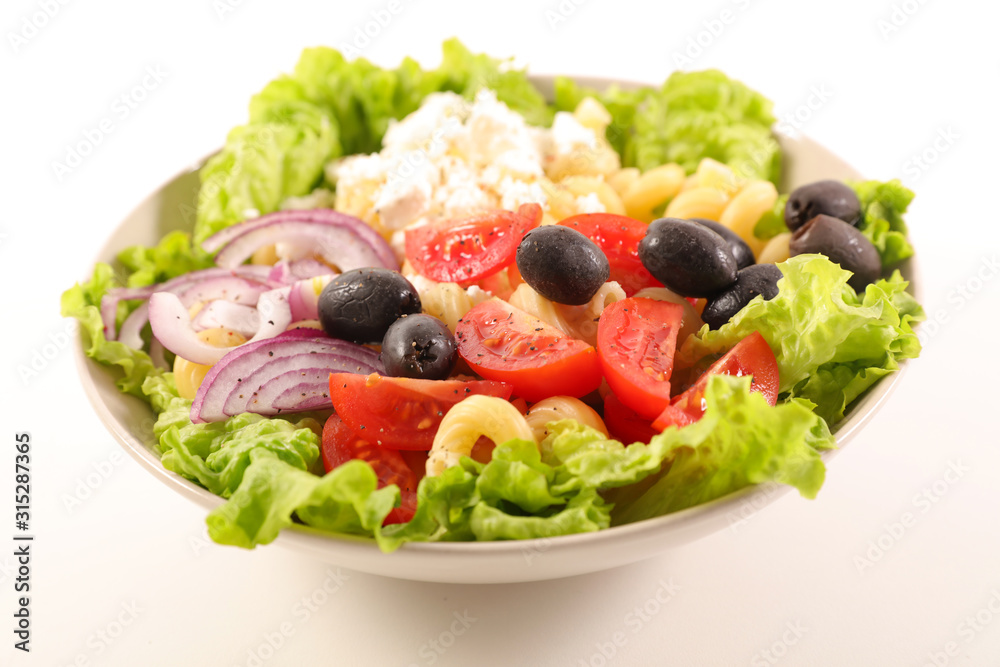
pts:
[464, 251]
[636, 339]
[618, 236]
[340, 445]
[501, 342]
[624, 424]
[401, 413]
[751, 356]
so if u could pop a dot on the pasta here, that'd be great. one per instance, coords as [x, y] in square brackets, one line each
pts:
[449, 302]
[581, 186]
[698, 202]
[557, 408]
[576, 321]
[776, 249]
[713, 174]
[746, 208]
[623, 179]
[592, 114]
[652, 189]
[477, 415]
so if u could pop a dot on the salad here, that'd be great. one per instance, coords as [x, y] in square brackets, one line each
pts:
[429, 304]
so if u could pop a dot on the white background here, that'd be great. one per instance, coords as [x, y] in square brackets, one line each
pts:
[133, 544]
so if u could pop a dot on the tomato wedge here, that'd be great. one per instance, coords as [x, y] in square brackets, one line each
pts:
[341, 445]
[751, 356]
[636, 340]
[618, 236]
[467, 250]
[401, 413]
[624, 424]
[501, 342]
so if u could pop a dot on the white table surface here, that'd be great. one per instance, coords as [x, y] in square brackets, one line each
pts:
[126, 577]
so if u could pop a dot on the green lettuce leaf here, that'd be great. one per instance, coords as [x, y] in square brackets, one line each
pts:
[694, 115]
[261, 165]
[883, 206]
[83, 303]
[772, 222]
[173, 256]
[830, 342]
[740, 440]
[344, 500]
[217, 454]
[465, 72]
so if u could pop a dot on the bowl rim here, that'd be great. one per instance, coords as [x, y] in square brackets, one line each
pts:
[314, 539]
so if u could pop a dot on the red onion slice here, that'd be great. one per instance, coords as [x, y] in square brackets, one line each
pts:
[244, 320]
[286, 273]
[131, 331]
[341, 240]
[259, 390]
[172, 324]
[156, 354]
[228, 288]
[109, 313]
[274, 312]
[303, 395]
[289, 352]
[309, 268]
[172, 327]
[109, 302]
[303, 298]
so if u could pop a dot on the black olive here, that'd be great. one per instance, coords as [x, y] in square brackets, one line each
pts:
[689, 258]
[822, 198]
[359, 305]
[562, 264]
[741, 251]
[751, 281]
[419, 346]
[843, 244]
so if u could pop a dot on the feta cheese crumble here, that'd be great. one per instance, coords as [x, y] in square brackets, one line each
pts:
[451, 158]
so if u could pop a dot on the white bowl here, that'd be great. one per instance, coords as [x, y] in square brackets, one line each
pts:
[130, 422]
